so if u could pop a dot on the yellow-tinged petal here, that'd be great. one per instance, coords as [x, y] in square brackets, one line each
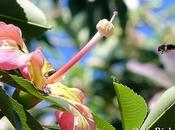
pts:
[46, 67]
[59, 90]
[35, 69]
[78, 114]
[80, 117]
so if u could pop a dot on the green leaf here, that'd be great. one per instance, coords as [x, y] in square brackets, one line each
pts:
[102, 124]
[25, 15]
[16, 114]
[6, 78]
[132, 106]
[27, 86]
[53, 127]
[163, 114]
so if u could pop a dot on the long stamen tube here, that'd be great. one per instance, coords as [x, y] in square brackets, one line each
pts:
[105, 28]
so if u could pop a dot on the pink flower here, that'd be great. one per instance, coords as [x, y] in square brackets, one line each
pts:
[78, 118]
[33, 66]
[14, 55]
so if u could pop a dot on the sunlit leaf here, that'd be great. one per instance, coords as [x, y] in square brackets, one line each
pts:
[25, 15]
[132, 106]
[27, 86]
[162, 115]
[102, 124]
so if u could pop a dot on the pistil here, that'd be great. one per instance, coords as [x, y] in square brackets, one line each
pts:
[105, 28]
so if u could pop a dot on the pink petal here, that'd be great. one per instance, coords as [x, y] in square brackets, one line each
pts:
[25, 71]
[65, 120]
[9, 31]
[83, 119]
[77, 118]
[83, 110]
[87, 114]
[12, 59]
[38, 57]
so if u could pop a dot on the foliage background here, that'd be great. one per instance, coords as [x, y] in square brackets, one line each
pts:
[130, 54]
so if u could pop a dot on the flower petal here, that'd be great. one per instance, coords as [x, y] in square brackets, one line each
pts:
[35, 68]
[65, 120]
[59, 90]
[79, 117]
[83, 119]
[25, 71]
[89, 124]
[38, 57]
[9, 31]
[29, 64]
[13, 59]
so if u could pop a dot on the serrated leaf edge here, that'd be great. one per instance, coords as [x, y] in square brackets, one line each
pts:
[122, 116]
